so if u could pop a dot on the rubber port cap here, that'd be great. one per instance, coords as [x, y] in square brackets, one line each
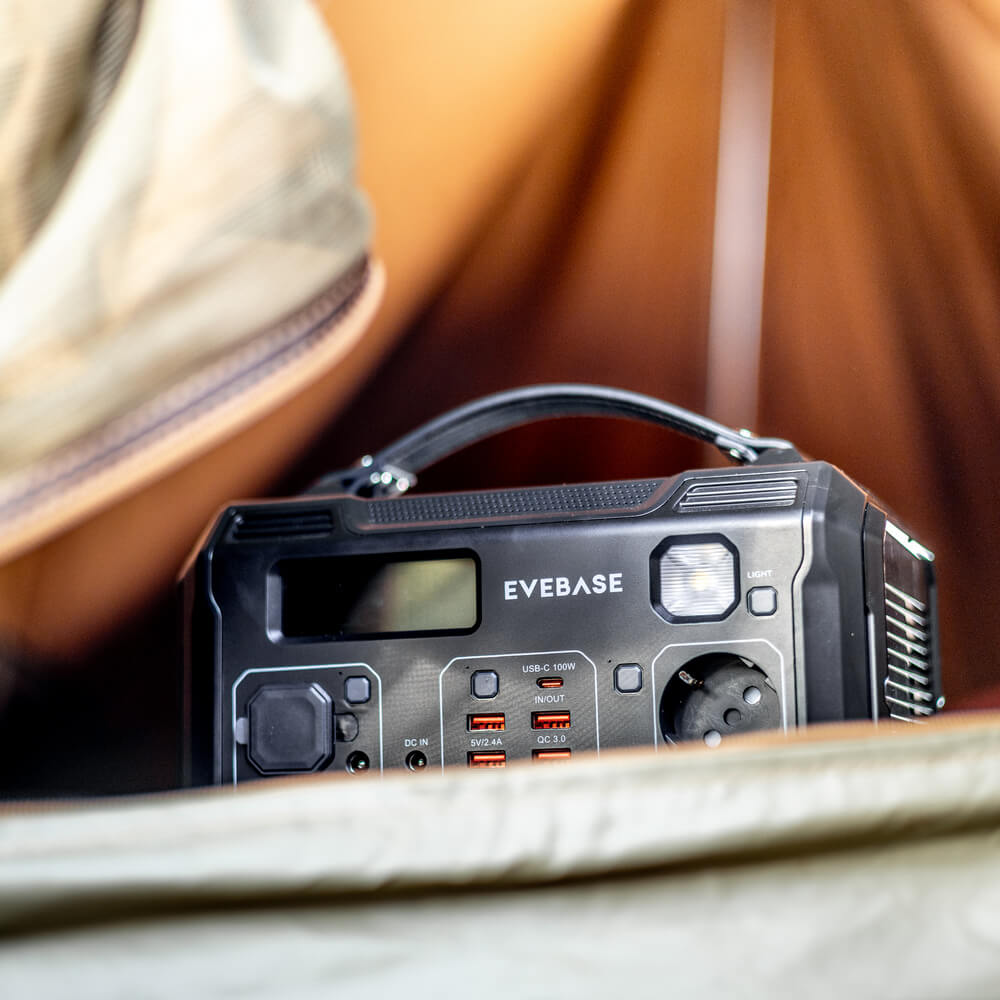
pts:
[291, 728]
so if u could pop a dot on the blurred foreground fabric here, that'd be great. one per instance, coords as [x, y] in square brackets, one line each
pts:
[845, 863]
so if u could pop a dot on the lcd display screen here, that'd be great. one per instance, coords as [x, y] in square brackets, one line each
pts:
[355, 596]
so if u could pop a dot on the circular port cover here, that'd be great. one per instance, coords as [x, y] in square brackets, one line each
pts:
[291, 728]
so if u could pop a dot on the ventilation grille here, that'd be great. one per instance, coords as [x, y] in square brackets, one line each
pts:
[598, 497]
[909, 681]
[263, 524]
[732, 494]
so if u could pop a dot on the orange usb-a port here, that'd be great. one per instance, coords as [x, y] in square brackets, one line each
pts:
[550, 720]
[561, 754]
[494, 721]
[487, 758]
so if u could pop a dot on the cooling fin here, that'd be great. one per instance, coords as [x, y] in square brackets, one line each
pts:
[909, 688]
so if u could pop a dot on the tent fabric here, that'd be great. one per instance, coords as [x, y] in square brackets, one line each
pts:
[572, 240]
[583, 203]
[880, 339]
[843, 862]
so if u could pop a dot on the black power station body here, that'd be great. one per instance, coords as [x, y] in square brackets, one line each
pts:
[338, 632]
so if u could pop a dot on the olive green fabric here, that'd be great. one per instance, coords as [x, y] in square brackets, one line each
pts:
[853, 864]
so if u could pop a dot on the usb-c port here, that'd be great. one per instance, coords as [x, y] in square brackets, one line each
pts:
[549, 682]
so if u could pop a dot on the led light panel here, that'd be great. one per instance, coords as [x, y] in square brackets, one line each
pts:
[697, 580]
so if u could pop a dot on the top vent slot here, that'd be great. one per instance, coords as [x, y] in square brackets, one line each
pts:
[731, 493]
[263, 524]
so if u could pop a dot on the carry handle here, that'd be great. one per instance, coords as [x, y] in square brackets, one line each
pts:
[394, 469]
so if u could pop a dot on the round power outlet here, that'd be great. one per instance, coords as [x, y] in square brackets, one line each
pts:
[715, 696]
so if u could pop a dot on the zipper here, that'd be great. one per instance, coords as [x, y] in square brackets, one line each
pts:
[39, 501]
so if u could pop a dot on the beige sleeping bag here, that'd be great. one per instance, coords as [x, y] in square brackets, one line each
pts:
[845, 865]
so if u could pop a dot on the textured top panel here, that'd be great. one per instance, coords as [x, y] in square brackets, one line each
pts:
[590, 498]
